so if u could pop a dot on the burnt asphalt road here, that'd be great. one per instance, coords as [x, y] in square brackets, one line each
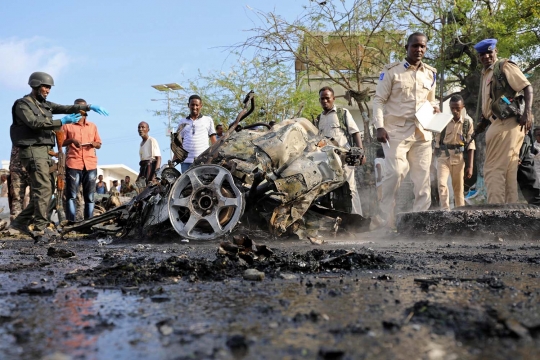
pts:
[373, 297]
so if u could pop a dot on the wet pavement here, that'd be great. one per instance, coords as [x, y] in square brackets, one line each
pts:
[379, 296]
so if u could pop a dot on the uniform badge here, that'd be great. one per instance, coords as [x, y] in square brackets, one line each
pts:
[381, 76]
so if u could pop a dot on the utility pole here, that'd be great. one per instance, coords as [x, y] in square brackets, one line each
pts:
[167, 88]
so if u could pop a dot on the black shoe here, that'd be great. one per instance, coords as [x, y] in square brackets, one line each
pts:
[21, 228]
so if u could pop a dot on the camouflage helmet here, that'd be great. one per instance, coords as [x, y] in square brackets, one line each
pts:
[40, 78]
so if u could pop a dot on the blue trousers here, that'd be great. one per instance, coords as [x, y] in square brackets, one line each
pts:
[73, 179]
[184, 167]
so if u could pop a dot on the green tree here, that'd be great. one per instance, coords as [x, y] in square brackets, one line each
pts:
[343, 43]
[277, 96]
[455, 27]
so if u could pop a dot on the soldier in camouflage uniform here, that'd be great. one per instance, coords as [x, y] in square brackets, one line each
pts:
[18, 180]
[32, 130]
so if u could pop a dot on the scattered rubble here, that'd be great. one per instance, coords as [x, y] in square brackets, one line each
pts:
[229, 263]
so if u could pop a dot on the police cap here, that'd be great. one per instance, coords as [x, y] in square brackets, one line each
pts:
[485, 45]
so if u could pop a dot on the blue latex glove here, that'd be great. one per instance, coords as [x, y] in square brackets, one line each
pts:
[99, 110]
[71, 118]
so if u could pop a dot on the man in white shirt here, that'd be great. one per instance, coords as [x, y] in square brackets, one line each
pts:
[194, 131]
[402, 88]
[149, 153]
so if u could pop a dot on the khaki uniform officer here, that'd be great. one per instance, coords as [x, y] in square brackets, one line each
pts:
[505, 134]
[450, 152]
[402, 88]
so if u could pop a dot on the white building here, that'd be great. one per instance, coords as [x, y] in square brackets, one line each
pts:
[116, 172]
[109, 172]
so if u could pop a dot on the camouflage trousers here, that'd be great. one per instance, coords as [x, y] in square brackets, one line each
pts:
[17, 182]
[42, 183]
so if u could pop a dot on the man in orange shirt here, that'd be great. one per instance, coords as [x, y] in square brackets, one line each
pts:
[82, 140]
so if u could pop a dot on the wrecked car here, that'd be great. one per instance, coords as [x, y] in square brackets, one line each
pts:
[286, 178]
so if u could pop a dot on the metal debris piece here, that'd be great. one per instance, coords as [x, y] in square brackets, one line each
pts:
[518, 329]
[316, 241]
[60, 253]
[164, 327]
[106, 241]
[331, 259]
[253, 275]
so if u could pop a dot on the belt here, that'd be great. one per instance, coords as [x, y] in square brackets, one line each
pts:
[34, 146]
[454, 147]
[146, 162]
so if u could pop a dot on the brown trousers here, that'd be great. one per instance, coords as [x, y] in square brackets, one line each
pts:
[503, 141]
[453, 166]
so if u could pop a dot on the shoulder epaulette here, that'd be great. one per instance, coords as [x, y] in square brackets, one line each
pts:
[429, 67]
[511, 62]
[389, 66]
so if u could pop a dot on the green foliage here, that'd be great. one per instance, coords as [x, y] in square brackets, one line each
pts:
[277, 96]
[343, 44]
[454, 28]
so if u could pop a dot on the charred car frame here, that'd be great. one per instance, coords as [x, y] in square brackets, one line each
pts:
[287, 178]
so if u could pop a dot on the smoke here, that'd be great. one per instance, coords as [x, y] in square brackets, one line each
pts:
[21, 57]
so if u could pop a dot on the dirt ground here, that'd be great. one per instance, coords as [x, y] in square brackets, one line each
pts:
[376, 296]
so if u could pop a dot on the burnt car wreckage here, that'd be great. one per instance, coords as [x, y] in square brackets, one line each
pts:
[288, 179]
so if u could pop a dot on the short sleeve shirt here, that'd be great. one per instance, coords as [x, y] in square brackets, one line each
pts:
[149, 149]
[329, 126]
[195, 135]
[401, 90]
[454, 133]
[85, 156]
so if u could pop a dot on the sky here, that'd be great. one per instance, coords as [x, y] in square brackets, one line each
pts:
[111, 52]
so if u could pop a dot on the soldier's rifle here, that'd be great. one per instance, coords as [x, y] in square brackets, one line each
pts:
[482, 126]
[61, 176]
